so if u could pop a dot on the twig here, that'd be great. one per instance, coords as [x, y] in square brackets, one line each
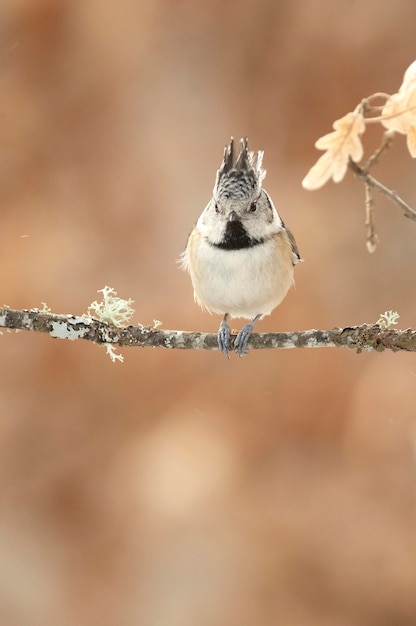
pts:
[361, 174]
[372, 237]
[365, 337]
[374, 158]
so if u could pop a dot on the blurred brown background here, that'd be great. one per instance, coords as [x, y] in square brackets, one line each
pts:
[179, 488]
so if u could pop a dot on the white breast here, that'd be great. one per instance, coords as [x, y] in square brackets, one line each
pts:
[243, 283]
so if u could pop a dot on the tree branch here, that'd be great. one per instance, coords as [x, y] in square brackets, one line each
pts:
[365, 337]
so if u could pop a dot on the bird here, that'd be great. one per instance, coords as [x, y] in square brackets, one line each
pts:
[239, 254]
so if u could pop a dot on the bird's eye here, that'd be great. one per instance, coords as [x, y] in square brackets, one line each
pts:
[253, 207]
[217, 209]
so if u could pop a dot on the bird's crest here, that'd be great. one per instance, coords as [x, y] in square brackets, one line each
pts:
[239, 176]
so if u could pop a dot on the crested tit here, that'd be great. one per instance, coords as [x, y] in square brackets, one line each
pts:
[240, 255]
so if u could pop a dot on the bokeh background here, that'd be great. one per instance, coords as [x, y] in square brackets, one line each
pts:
[180, 488]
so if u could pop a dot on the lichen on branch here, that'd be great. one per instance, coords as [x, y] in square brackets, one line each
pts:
[377, 336]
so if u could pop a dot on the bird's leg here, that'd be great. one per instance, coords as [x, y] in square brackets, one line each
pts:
[224, 334]
[240, 343]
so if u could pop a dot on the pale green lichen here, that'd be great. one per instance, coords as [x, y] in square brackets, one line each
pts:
[148, 329]
[45, 309]
[387, 319]
[113, 354]
[112, 309]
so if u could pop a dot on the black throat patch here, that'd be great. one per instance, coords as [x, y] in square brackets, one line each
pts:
[236, 238]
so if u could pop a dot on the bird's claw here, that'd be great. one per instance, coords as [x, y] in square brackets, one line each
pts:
[241, 341]
[224, 334]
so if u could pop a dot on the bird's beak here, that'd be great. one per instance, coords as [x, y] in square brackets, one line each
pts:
[233, 217]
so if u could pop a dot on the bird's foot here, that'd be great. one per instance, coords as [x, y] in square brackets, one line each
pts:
[241, 341]
[224, 334]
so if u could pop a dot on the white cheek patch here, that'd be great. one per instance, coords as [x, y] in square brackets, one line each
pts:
[211, 227]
